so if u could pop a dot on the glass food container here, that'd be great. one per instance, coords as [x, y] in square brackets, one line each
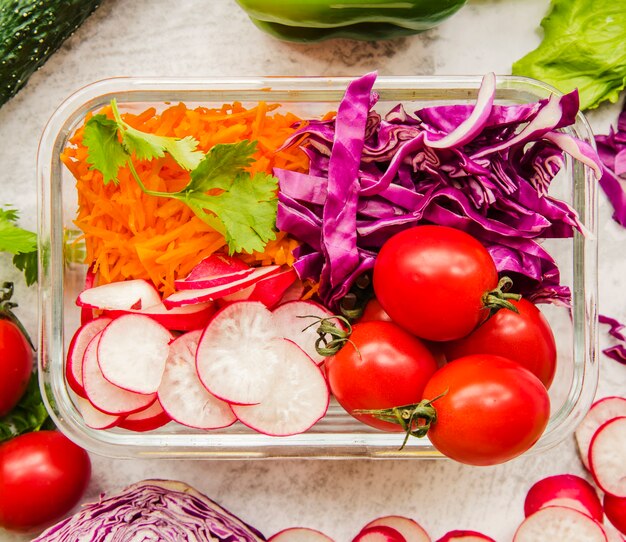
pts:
[337, 435]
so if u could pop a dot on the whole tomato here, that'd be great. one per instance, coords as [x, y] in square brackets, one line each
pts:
[16, 365]
[433, 281]
[43, 475]
[524, 337]
[489, 409]
[382, 366]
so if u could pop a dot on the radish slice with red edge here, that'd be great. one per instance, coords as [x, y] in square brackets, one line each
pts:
[148, 419]
[564, 490]
[299, 534]
[212, 281]
[615, 510]
[236, 360]
[298, 395]
[102, 394]
[607, 457]
[293, 293]
[186, 318]
[76, 351]
[270, 290]
[123, 295]
[296, 321]
[558, 523]
[86, 313]
[94, 418]
[201, 295]
[408, 528]
[182, 394]
[600, 412]
[132, 353]
[380, 533]
[217, 264]
[465, 536]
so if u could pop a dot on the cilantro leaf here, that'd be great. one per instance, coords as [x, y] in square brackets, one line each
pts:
[27, 263]
[147, 146]
[104, 150]
[19, 242]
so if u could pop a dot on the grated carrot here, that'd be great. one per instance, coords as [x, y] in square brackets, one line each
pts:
[129, 234]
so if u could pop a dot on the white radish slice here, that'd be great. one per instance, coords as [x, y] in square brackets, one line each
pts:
[299, 534]
[76, 350]
[94, 418]
[564, 490]
[600, 412]
[188, 297]
[182, 394]
[292, 322]
[380, 533]
[148, 419]
[123, 295]
[298, 396]
[186, 318]
[607, 457]
[557, 523]
[217, 264]
[236, 359]
[212, 281]
[102, 394]
[132, 353]
[270, 290]
[465, 536]
[294, 292]
[408, 528]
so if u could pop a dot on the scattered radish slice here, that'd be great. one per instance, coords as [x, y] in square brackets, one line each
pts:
[102, 394]
[299, 534]
[186, 318]
[182, 394]
[465, 536]
[86, 313]
[148, 419]
[76, 351]
[270, 290]
[217, 264]
[123, 295]
[564, 490]
[132, 353]
[212, 281]
[408, 528]
[380, 533]
[557, 523]
[293, 293]
[94, 418]
[298, 397]
[607, 457]
[292, 322]
[236, 359]
[615, 510]
[600, 412]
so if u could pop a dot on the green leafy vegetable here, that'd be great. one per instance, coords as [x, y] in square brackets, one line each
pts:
[19, 242]
[584, 47]
[220, 191]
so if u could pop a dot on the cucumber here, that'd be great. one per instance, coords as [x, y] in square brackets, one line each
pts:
[30, 31]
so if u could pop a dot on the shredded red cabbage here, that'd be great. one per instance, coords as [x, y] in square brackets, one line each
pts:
[483, 168]
[153, 510]
[617, 351]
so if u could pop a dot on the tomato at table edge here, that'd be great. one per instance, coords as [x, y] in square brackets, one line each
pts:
[43, 475]
[491, 394]
[524, 337]
[431, 280]
[16, 364]
[379, 350]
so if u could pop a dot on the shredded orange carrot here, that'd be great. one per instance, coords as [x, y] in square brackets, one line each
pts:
[129, 234]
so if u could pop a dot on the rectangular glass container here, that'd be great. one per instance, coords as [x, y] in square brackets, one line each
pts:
[337, 435]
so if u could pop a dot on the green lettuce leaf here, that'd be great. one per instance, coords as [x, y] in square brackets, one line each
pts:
[584, 47]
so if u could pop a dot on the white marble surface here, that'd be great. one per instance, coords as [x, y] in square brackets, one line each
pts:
[204, 38]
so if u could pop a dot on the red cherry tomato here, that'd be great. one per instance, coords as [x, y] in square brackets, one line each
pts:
[383, 366]
[431, 281]
[524, 337]
[43, 475]
[374, 312]
[16, 365]
[490, 409]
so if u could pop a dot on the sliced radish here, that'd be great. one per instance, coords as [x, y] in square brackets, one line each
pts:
[615, 510]
[408, 528]
[380, 533]
[607, 457]
[182, 394]
[148, 419]
[217, 264]
[299, 534]
[187, 297]
[102, 394]
[123, 295]
[76, 350]
[270, 290]
[564, 490]
[236, 359]
[558, 523]
[211, 281]
[600, 412]
[186, 318]
[293, 293]
[296, 321]
[86, 313]
[132, 353]
[465, 536]
[298, 395]
[94, 418]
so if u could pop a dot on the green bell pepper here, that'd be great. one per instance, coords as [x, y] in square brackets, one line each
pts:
[368, 20]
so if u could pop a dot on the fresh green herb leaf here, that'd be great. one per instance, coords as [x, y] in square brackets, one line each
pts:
[19, 242]
[105, 153]
[27, 263]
